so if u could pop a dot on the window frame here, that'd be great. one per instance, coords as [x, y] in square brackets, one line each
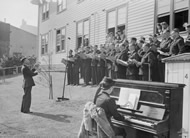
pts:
[45, 11]
[46, 43]
[61, 50]
[178, 11]
[171, 14]
[61, 5]
[116, 9]
[82, 21]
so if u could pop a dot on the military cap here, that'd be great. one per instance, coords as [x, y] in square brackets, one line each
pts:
[22, 59]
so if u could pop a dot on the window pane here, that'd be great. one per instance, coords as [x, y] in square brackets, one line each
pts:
[111, 19]
[121, 15]
[46, 38]
[163, 6]
[46, 48]
[180, 19]
[60, 2]
[47, 14]
[42, 50]
[63, 44]
[59, 8]
[79, 39]
[86, 27]
[43, 40]
[64, 4]
[58, 48]
[44, 8]
[165, 18]
[47, 6]
[63, 31]
[58, 31]
[80, 28]
[58, 39]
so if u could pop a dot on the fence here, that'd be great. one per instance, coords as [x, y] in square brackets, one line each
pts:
[9, 71]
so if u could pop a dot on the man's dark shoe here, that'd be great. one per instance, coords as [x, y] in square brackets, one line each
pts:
[27, 112]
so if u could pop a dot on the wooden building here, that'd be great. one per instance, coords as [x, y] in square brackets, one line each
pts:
[91, 20]
[178, 71]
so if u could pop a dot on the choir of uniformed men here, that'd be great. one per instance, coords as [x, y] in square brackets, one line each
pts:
[120, 59]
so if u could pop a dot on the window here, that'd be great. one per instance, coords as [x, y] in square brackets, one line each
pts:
[116, 20]
[44, 43]
[179, 19]
[111, 21]
[83, 30]
[60, 39]
[161, 19]
[177, 12]
[165, 18]
[45, 11]
[79, 1]
[61, 5]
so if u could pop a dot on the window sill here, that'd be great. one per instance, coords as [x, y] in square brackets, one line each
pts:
[60, 52]
[44, 54]
[61, 11]
[45, 19]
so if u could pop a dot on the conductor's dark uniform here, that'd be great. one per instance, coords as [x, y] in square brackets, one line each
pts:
[28, 82]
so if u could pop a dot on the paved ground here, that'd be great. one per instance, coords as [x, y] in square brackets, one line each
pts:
[50, 118]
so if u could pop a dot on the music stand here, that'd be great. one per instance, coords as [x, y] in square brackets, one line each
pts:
[59, 99]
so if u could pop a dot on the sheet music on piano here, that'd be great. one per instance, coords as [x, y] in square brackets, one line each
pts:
[128, 98]
[152, 112]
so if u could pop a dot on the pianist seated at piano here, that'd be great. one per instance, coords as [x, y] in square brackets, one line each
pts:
[102, 99]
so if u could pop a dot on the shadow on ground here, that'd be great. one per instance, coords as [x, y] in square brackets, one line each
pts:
[58, 117]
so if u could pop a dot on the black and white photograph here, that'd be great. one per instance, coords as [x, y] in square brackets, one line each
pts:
[94, 68]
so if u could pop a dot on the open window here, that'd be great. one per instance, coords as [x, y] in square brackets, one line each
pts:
[44, 44]
[60, 39]
[83, 33]
[45, 11]
[162, 18]
[61, 5]
[116, 20]
[180, 18]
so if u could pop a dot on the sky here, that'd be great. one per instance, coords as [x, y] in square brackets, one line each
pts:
[16, 10]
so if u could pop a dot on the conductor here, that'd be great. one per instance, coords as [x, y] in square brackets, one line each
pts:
[28, 83]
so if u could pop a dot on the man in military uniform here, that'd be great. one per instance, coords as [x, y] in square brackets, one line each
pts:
[121, 69]
[132, 70]
[155, 44]
[101, 66]
[28, 83]
[178, 45]
[187, 41]
[163, 53]
[77, 62]
[87, 66]
[94, 64]
[70, 68]
[148, 66]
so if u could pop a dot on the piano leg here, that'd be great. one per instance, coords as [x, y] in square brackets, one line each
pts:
[142, 134]
[164, 135]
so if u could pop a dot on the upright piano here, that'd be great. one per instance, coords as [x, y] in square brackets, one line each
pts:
[158, 112]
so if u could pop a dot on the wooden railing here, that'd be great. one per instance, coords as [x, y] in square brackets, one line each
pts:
[9, 71]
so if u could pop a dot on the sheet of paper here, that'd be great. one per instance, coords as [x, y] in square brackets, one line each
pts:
[153, 112]
[131, 104]
[123, 96]
[128, 98]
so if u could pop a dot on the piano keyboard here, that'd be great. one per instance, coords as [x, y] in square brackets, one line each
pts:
[142, 122]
